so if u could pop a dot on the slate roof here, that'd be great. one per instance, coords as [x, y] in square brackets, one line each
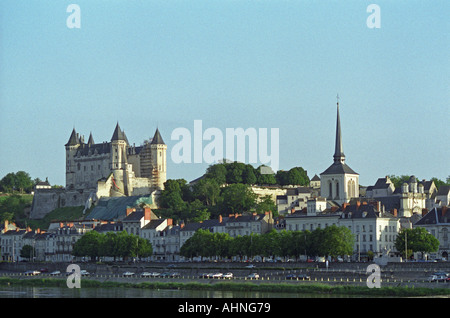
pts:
[435, 216]
[115, 208]
[157, 139]
[443, 190]
[119, 134]
[339, 168]
[73, 140]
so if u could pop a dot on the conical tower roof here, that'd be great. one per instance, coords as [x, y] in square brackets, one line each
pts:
[119, 134]
[91, 139]
[339, 166]
[157, 139]
[73, 140]
[338, 149]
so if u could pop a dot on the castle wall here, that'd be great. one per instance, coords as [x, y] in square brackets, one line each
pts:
[46, 200]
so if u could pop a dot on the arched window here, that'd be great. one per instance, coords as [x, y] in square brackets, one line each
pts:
[337, 190]
[330, 188]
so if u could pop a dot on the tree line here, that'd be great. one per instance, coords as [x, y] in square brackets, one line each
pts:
[330, 241]
[111, 244]
[225, 188]
[19, 182]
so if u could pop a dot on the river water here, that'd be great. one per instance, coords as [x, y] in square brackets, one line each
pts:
[59, 292]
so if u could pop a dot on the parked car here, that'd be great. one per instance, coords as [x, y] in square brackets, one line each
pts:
[31, 273]
[155, 274]
[44, 270]
[228, 275]
[253, 276]
[84, 272]
[173, 275]
[146, 274]
[291, 276]
[128, 274]
[303, 277]
[250, 266]
[55, 273]
[217, 275]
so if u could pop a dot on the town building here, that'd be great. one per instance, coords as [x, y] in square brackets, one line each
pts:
[294, 199]
[437, 223]
[373, 229]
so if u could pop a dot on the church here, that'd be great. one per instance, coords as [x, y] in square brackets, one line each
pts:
[339, 182]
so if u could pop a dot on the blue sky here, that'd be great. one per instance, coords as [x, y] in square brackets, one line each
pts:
[260, 63]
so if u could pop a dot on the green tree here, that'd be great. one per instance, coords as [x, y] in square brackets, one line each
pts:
[266, 204]
[234, 172]
[248, 175]
[265, 178]
[417, 240]
[27, 251]
[172, 196]
[218, 172]
[88, 245]
[338, 240]
[207, 190]
[282, 177]
[298, 176]
[238, 198]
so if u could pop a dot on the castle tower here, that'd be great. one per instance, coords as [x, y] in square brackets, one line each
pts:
[119, 143]
[71, 149]
[339, 182]
[158, 157]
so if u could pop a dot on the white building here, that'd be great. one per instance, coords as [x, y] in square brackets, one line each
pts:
[339, 182]
[437, 223]
[373, 229]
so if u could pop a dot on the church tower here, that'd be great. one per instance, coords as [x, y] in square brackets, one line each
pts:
[339, 182]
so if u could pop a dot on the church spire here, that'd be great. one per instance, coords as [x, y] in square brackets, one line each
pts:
[338, 150]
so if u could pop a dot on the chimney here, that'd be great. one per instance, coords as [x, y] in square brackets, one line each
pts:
[292, 210]
[169, 222]
[147, 214]
[28, 229]
[38, 231]
[444, 210]
[61, 224]
[220, 218]
[344, 206]
[358, 204]
[364, 203]
[6, 225]
[394, 212]
[424, 212]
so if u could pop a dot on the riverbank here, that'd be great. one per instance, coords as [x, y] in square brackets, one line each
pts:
[304, 288]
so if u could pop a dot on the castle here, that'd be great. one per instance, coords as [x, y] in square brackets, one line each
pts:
[115, 168]
[107, 169]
